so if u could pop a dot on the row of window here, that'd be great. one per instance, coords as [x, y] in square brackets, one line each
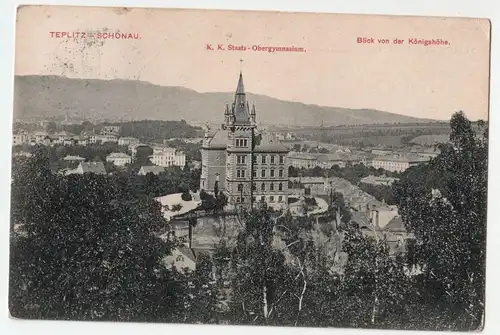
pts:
[272, 160]
[263, 198]
[241, 159]
[272, 173]
[241, 142]
[262, 187]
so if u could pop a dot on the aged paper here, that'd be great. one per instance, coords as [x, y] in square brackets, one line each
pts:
[245, 167]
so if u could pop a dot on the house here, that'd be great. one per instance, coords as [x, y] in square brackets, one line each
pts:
[390, 228]
[91, 137]
[107, 138]
[302, 160]
[40, 137]
[395, 163]
[119, 159]
[81, 140]
[89, 167]
[246, 163]
[19, 138]
[168, 157]
[154, 169]
[181, 259]
[127, 141]
[313, 185]
[110, 131]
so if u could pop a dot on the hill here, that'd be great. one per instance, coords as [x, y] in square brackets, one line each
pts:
[93, 99]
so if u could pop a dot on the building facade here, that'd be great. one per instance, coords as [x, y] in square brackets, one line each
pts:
[397, 163]
[168, 157]
[119, 159]
[246, 164]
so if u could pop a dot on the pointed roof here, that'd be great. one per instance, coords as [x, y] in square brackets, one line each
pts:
[240, 108]
[219, 140]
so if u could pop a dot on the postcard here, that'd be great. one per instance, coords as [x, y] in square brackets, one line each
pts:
[249, 168]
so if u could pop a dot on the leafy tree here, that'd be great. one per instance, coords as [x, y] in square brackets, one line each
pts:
[186, 196]
[202, 299]
[374, 285]
[444, 204]
[259, 272]
[93, 254]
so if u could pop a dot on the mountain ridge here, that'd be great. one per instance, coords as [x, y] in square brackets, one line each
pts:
[121, 99]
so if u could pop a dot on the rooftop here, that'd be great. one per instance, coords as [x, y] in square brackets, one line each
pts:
[93, 167]
[73, 158]
[405, 159]
[118, 155]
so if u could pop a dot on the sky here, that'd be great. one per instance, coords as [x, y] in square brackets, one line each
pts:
[335, 70]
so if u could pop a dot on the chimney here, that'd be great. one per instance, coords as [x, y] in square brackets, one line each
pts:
[376, 219]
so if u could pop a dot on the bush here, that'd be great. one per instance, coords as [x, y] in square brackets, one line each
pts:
[186, 196]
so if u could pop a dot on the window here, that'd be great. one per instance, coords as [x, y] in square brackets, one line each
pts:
[240, 159]
[254, 187]
[240, 142]
[240, 187]
[254, 173]
[280, 187]
[280, 198]
[280, 173]
[254, 159]
[263, 159]
[271, 198]
[272, 159]
[282, 159]
[271, 187]
[272, 173]
[263, 187]
[263, 198]
[263, 173]
[240, 173]
[253, 199]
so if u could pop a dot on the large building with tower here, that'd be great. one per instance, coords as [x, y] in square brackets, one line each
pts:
[246, 164]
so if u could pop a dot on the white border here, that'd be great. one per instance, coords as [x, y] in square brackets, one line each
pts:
[471, 8]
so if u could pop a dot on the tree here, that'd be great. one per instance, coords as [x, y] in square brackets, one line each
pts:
[90, 254]
[186, 196]
[259, 271]
[176, 207]
[201, 298]
[444, 204]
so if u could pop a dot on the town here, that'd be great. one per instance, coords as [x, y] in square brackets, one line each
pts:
[293, 210]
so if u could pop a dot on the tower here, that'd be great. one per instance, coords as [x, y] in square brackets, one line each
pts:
[240, 126]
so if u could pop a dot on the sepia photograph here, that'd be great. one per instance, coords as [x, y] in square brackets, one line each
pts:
[252, 168]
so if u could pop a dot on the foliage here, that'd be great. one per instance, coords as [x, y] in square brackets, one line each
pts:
[186, 196]
[94, 254]
[176, 208]
[87, 255]
[444, 204]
